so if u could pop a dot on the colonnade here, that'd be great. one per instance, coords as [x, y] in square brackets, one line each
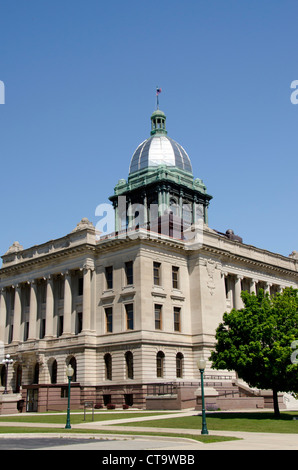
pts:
[235, 284]
[125, 208]
[14, 313]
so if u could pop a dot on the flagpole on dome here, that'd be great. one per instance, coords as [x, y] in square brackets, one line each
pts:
[158, 91]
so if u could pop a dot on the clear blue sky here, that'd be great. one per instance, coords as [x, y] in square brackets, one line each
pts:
[80, 80]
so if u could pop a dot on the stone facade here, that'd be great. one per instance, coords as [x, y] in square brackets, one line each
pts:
[131, 313]
[134, 310]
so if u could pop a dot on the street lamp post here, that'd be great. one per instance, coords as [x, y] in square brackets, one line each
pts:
[201, 366]
[69, 373]
[6, 362]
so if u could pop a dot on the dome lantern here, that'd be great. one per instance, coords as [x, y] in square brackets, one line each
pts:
[158, 123]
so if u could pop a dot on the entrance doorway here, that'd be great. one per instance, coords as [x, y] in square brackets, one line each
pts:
[32, 399]
[128, 399]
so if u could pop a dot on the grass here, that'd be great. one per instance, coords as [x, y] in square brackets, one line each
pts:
[263, 422]
[26, 430]
[76, 418]
[224, 421]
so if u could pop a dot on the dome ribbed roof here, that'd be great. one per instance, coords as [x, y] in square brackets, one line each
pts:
[159, 149]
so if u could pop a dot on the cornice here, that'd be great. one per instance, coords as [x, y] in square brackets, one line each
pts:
[47, 258]
[224, 254]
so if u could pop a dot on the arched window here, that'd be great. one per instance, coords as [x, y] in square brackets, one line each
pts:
[129, 364]
[73, 364]
[54, 372]
[179, 365]
[108, 366]
[160, 357]
[174, 207]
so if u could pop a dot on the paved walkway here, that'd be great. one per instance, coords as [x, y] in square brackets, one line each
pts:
[249, 440]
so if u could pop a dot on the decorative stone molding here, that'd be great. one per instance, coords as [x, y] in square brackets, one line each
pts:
[89, 264]
[210, 266]
[83, 225]
[14, 248]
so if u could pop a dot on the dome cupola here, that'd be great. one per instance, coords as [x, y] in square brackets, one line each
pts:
[159, 149]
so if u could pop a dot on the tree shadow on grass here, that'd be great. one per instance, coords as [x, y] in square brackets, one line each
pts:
[286, 416]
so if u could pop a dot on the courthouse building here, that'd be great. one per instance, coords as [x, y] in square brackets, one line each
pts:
[132, 311]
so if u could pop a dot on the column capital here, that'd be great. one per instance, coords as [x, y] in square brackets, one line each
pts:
[66, 273]
[89, 264]
[17, 286]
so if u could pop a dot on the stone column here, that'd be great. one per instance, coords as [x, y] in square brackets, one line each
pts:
[181, 203]
[32, 311]
[267, 288]
[253, 288]
[17, 314]
[160, 207]
[87, 299]
[67, 305]
[238, 301]
[87, 295]
[145, 208]
[3, 313]
[49, 307]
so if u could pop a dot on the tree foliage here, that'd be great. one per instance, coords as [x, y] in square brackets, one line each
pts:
[256, 341]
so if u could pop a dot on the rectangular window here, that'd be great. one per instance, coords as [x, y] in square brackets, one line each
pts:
[177, 319]
[227, 287]
[12, 296]
[79, 322]
[27, 295]
[42, 328]
[10, 333]
[60, 325]
[156, 273]
[26, 330]
[158, 316]
[129, 316]
[109, 319]
[43, 293]
[109, 277]
[80, 285]
[129, 273]
[60, 288]
[64, 392]
[175, 277]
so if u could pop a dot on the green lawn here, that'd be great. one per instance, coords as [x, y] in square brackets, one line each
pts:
[76, 418]
[28, 430]
[219, 421]
[250, 422]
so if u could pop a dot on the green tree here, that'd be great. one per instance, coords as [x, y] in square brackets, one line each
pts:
[256, 342]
